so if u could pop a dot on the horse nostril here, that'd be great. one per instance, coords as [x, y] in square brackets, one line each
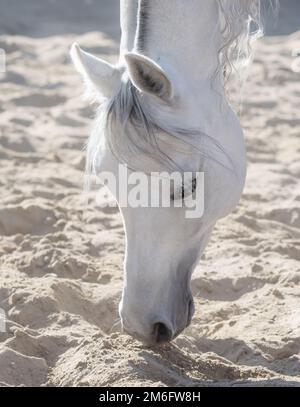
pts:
[162, 333]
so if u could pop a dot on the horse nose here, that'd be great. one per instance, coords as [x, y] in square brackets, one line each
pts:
[161, 333]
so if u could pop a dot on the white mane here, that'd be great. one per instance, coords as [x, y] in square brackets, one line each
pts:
[242, 24]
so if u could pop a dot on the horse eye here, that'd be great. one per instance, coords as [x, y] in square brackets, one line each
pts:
[194, 184]
[184, 191]
[190, 190]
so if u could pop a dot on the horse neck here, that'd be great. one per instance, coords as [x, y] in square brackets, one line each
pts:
[128, 10]
[185, 37]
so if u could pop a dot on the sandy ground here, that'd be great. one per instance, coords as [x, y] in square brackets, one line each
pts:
[61, 259]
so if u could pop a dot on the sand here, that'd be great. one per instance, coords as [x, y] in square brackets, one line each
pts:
[61, 257]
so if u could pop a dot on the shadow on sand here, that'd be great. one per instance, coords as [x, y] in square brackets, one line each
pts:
[174, 367]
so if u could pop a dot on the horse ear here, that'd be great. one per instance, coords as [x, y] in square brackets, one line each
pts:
[148, 76]
[99, 76]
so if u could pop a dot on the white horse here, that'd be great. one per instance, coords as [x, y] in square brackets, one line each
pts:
[163, 106]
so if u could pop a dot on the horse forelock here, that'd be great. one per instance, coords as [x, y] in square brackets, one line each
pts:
[126, 116]
[132, 134]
